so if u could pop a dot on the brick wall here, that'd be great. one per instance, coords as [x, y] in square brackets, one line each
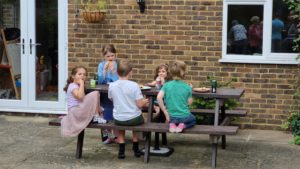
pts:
[188, 30]
[10, 16]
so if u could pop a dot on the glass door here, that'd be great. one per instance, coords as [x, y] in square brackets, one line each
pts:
[42, 47]
[10, 54]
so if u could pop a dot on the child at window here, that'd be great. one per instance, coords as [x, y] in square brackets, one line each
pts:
[127, 100]
[175, 105]
[81, 108]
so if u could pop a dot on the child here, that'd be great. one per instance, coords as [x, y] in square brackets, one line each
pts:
[107, 70]
[175, 105]
[162, 75]
[128, 101]
[107, 73]
[81, 108]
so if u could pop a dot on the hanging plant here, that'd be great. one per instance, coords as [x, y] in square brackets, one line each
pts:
[93, 11]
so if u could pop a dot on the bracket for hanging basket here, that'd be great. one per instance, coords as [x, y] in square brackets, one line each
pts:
[93, 16]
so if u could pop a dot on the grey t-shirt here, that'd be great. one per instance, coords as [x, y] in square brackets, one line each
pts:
[124, 94]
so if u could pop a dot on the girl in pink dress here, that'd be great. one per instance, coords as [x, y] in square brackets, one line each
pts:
[81, 108]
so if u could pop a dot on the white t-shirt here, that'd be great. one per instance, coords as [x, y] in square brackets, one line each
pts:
[124, 94]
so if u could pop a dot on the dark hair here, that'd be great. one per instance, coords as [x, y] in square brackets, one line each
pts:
[277, 15]
[234, 22]
[73, 73]
[166, 67]
[108, 48]
[124, 68]
[177, 70]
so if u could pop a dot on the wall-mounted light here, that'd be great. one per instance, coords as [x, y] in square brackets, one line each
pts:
[76, 15]
[142, 5]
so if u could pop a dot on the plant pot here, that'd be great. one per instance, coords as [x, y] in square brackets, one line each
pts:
[93, 16]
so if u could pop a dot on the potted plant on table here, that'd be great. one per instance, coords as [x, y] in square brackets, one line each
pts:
[93, 11]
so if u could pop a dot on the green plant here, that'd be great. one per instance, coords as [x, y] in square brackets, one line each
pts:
[293, 121]
[93, 5]
[295, 6]
[9, 1]
[297, 140]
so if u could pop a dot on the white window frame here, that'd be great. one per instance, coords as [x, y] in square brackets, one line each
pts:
[267, 56]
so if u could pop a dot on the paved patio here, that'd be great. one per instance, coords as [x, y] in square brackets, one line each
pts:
[29, 143]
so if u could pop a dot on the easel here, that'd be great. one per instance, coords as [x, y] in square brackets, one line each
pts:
[10, 59]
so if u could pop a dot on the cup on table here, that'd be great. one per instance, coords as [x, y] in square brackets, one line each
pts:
[93, 83]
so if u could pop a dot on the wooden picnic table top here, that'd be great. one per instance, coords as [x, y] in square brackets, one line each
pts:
[222, 93]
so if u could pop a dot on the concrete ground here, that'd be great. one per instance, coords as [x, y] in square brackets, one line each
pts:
[29, 143]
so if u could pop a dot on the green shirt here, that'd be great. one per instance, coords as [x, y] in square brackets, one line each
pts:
[176, 96]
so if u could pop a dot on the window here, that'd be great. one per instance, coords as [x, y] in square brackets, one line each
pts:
[258, 31]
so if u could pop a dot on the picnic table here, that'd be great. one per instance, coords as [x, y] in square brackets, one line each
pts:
[220, 96]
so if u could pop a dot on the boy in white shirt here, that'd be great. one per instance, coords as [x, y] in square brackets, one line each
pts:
[127, 100]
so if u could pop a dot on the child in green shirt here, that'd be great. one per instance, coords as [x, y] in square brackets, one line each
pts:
[175, 105]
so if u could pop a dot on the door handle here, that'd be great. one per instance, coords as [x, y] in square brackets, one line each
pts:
[30, 45]
[33, 44]
[23, 45]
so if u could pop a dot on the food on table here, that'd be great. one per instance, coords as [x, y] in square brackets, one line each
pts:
[201, 89]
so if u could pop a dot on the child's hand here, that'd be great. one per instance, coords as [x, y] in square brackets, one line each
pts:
[145, 102]
[167, 118]
[162, 80]
[142, 102]
[80, 82]
[108, 65]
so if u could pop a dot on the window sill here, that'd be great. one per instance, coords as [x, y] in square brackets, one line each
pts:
[259, 61]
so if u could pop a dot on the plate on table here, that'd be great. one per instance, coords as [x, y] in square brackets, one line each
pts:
[201, 89]
[145, 87]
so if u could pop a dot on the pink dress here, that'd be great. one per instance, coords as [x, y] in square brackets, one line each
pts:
[80, 113]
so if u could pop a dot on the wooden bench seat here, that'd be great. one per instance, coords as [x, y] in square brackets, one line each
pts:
[213, 131]
[163, 128]
[235, 113]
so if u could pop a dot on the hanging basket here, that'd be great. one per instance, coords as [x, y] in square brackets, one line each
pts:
[93, 16]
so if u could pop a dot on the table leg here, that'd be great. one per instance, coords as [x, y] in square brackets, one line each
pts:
[214, 155]
[223, 141]
[156, 141]
[80, 139]
[150, 109]
[164, 139]
[156, 150]
[223, 116]
[147, 147]
[216, 122]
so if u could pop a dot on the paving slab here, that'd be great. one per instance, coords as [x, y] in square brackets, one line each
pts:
[29, 143]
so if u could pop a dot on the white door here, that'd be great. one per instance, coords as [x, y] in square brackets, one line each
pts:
[42, 52]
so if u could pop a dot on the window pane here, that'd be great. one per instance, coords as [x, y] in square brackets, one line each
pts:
[284, 28]
[245, 29]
